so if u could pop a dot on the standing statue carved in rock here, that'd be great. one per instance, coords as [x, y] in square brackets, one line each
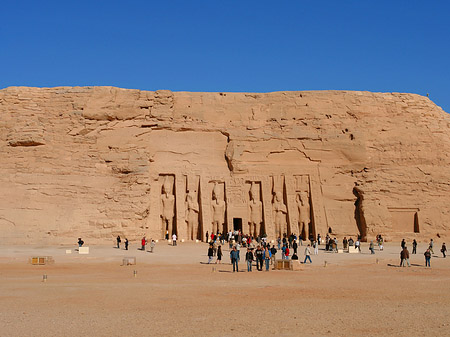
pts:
[192, 210]
[255, 211]
[168, 203]
[218, 206]
[280, 210]
[304, 213]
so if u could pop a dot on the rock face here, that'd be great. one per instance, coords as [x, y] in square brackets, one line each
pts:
[98, 162]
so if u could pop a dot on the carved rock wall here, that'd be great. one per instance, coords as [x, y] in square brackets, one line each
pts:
[88, 162]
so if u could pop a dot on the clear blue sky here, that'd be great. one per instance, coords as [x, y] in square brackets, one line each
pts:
[251, 46]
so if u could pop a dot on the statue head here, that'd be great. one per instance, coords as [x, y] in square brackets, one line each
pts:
[254, 191]
[216, 192]
[278, 196]
[167, 186]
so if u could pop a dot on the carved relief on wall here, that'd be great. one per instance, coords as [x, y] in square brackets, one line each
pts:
[167, 205]
[255, 210]
[218, 206]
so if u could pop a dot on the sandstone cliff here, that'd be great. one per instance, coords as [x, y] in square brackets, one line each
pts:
[96, 162]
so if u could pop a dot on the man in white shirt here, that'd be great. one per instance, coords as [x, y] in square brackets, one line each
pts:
[174, 239]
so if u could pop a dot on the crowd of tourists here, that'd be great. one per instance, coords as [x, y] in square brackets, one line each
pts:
[404, 253]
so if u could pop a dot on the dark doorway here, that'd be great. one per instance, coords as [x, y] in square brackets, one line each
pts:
[237, 224]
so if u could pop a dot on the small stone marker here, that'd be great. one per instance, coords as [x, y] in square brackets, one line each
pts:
[68, 251]
[44, 278]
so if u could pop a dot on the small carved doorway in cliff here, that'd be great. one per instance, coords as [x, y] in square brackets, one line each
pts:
[237, 224]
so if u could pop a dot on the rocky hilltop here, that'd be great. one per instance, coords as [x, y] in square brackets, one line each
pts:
[97, 162]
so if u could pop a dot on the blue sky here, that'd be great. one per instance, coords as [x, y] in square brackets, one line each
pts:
[250, 46]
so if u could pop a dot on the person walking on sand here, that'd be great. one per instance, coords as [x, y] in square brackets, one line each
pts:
[404, 256]
[80, 242]
[118, 241]
[234, 259]
[431, 246]
[427, 258]
[358, 245]
[371, 248]
[126, 244]
[307, 254]
[443, 249]
[143, 243]
[414, 246]
[219, 254]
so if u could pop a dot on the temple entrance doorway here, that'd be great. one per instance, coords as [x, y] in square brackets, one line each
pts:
[237, 224]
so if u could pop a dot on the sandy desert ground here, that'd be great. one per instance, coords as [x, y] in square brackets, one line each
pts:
[176, 294]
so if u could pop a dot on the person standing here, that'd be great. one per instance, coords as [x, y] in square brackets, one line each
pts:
[404, 256]
[174, 239]
[267, 258]
[152, 245]
[443, 249]
[126, 244]
[279, 243]
[403, 244]
[249, 259]
[316, 248]
[287, 253]
[273, 250]
[143, 243]
[259, 258]
[234, 259]
[427, 258]
[210, 254]
[283, 252]
[206, 237]
[295, 246]
[345, 242]
[219, 254]
[414, 244]
[380, 243]
[118, 241]
[238, 249]
[307, 254]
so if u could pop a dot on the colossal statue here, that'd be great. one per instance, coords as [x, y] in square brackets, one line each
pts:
[218, 206]
[167, 203]
[255, 211]
[192, 210]
[280, 211]
[303, 213]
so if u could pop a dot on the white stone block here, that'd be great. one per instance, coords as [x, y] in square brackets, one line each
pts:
[83, 250]
[68, 251]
